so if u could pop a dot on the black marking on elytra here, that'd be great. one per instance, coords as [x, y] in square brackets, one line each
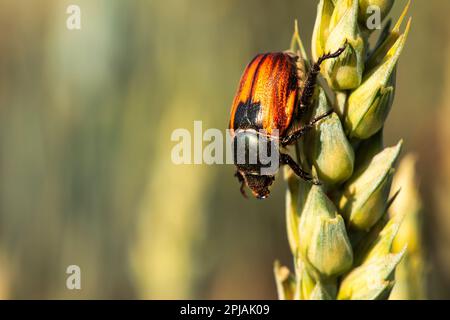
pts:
[248, 116]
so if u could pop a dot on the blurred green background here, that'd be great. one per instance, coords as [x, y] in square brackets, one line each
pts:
[86, 116]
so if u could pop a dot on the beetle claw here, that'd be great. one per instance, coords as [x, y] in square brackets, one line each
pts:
[244, 194]
[239, 176]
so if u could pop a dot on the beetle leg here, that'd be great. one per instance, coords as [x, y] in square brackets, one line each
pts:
[294, 136]
[241, 179]
[287, 160]
[311, 79]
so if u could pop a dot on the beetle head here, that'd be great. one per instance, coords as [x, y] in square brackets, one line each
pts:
[259, 184]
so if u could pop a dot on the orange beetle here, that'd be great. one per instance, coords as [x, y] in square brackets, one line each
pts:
[269, 100]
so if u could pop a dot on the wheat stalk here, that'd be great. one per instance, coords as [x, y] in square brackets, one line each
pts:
[410, 273]
[340, 233]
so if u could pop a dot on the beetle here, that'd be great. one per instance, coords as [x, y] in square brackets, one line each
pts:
[269, 101]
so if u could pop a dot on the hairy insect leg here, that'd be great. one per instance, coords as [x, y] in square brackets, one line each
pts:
[311, 79]
[294, 136]
[287, 160]
[241, 180]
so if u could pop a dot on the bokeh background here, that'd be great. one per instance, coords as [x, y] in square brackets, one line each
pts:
[86, 116]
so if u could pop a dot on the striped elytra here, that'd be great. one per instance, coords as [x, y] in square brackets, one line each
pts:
[267, 94]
